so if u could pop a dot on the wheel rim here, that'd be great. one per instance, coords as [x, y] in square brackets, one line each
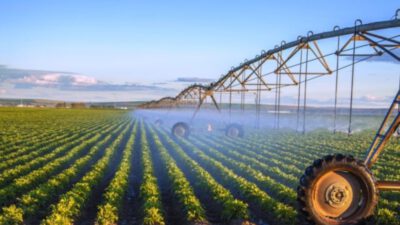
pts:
[233, 132]
[338, 195]
[179, 131]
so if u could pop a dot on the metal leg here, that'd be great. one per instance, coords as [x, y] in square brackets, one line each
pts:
[349, 131]
[299, 91]
[215, 103]
[387, 128]
[398, 109]
[336, 86]
[279, 100]
[276, 103]
[305, 93]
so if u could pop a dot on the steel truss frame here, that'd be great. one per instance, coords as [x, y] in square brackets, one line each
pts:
[239, 79]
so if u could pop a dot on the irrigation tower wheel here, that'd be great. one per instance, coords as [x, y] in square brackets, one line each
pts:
[337, 190]
[181, 129]
[158, 122]
[234, 130]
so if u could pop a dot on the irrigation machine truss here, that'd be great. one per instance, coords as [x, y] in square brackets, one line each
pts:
[337, 189]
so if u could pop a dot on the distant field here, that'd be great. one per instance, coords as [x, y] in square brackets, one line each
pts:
[63, 166]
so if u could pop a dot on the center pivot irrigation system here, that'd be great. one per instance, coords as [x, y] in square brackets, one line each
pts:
[337, 189]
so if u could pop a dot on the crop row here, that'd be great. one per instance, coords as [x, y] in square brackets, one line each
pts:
[250, 168]
[193, 211]
[149, 191]
[70, 205]
[231, 208]
[23, 127]
[39, 197]
[248, 191]
[28, 154]
[46, 164]
[113, 196]
[34, 141]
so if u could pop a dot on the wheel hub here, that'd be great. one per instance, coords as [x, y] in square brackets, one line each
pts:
[233, 132]
[337, 195]
[180, 131]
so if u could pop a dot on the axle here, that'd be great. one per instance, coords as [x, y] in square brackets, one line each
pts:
[388, 185]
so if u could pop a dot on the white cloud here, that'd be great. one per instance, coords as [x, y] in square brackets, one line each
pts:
[56, 79]
[194, 80]
[83, 80]
[76, 82]
[87, 96]
[372, 98]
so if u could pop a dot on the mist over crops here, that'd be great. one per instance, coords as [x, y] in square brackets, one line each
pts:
[316, 118]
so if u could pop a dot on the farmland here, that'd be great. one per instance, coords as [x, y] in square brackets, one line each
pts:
[61, 166]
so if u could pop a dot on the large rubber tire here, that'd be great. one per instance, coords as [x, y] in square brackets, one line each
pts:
[337, 190]
[181, 129]
[234, 130]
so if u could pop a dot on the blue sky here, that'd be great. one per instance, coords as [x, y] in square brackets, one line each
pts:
[153, 43]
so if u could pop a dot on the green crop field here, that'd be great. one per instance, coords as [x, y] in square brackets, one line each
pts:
[61, 166]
